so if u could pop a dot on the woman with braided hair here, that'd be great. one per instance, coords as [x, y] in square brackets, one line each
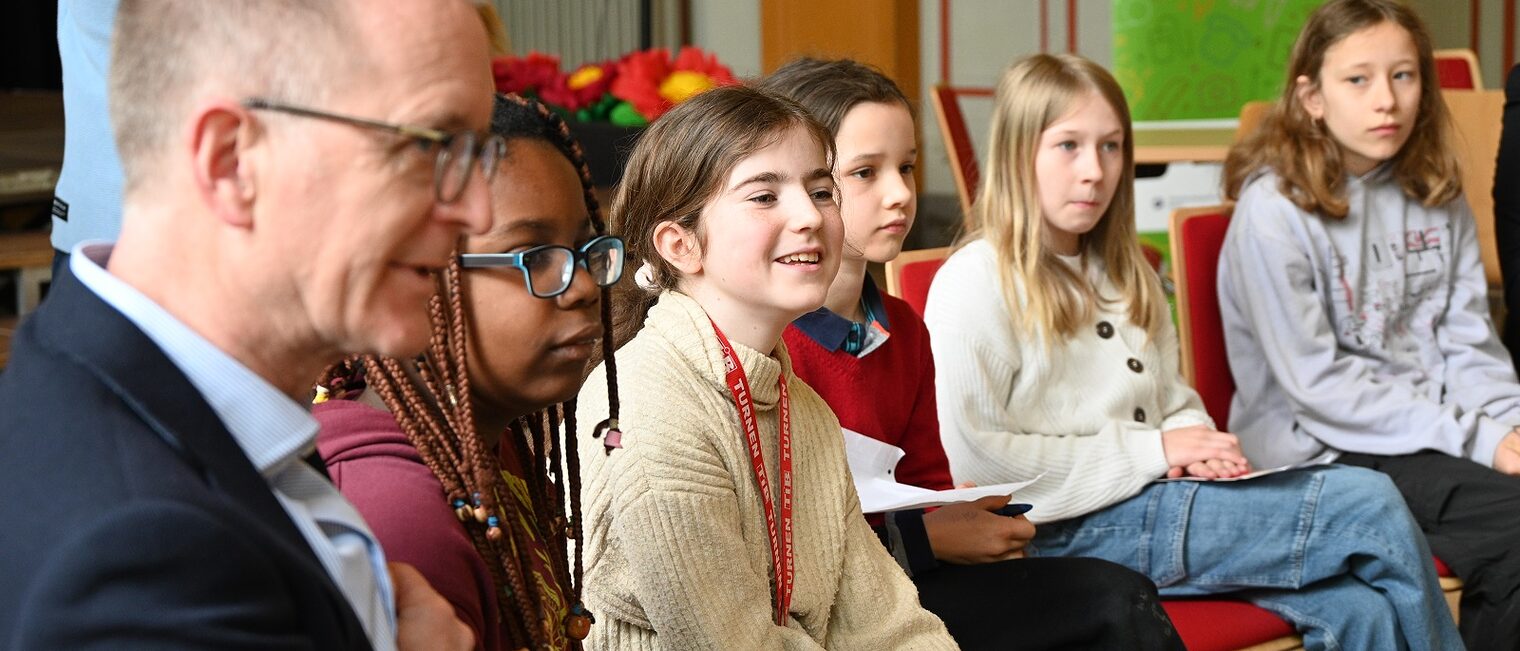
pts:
[455, 458]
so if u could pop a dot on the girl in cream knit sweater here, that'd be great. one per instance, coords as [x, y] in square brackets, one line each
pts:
[729, 205]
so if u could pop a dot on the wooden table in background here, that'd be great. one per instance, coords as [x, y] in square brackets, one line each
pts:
[24, 250]
[1155, 146]
[31, 146]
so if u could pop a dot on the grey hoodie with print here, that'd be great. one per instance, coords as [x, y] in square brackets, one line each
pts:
[1364, 334]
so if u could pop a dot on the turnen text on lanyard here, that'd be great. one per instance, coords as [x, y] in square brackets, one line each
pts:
[780, 538]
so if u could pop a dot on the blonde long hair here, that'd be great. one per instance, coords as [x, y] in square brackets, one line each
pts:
[1033, 93]
[1307, 158]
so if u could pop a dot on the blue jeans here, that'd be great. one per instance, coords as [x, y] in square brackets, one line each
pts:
[1331, 549]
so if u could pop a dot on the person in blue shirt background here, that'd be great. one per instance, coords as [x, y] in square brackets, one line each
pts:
[87, 199]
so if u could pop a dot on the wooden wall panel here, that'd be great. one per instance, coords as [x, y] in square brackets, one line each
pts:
[883, 33]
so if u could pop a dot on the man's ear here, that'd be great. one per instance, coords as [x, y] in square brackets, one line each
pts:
[678, 246]
[1309, 97]
[220, 137]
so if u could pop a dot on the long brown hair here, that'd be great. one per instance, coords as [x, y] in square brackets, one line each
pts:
[431, 400]
[1046, 296]
[1308, 160]
[678, 165]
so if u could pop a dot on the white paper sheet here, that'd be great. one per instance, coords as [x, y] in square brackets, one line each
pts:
[873, 465]
[1323, 459]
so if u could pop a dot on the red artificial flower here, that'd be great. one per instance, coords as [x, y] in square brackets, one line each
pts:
[638, 81]
[581, 88]
[652, 82]
[524, 75]
[702, 64]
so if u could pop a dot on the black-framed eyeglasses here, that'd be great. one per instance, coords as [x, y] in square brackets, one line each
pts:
[456, 151]
[549, 269]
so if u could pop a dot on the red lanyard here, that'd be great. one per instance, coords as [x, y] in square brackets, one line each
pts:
[781, 541]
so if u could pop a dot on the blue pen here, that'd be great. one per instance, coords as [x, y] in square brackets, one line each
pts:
[1014, 510]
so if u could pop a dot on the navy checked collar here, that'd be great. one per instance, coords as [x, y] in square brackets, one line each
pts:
[830, 330]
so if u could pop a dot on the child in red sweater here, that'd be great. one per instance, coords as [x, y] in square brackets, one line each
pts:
[867, 354]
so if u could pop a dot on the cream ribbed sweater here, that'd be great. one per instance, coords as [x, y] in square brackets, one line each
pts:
[1088, 413]
[677, 555]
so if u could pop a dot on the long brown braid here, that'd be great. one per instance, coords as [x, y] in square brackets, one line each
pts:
[431, 401]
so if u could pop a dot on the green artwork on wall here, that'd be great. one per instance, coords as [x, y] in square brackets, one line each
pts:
[1202, 59]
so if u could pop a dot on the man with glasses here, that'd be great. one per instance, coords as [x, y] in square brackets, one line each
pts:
[295, 173]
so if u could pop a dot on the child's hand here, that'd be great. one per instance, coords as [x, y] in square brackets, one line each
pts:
[1202, 452]
[1211, 469]
[1507, 456]
[971, 533]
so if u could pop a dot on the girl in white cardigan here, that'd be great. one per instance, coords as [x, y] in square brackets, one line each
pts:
[1055, 355]
[719, 509]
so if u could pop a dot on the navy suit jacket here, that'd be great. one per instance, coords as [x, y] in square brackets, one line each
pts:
[129, 517]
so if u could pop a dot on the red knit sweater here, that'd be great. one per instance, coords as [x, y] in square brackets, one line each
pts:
[887, 395]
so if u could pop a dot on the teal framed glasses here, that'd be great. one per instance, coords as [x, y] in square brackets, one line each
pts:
[548, 270]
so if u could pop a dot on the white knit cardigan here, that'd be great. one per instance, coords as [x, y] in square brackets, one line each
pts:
[1087, 412]
[677, 555]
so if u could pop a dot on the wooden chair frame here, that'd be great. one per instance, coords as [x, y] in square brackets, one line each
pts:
[1251, 115]
[1475, 116]
[1285, 643]
[952, 130]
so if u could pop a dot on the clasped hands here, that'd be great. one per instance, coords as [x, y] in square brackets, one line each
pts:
[1198, 451]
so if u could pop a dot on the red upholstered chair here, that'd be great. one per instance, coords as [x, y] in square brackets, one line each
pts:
[1196, 236]
[909, 275]
[1458, 70]
[952, 129]
[1221, 625]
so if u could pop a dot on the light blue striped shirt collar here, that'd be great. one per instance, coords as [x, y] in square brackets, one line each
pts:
[270, 427]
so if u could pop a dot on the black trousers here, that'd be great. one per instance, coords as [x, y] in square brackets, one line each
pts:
[1047, 603]
[1470, 514]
